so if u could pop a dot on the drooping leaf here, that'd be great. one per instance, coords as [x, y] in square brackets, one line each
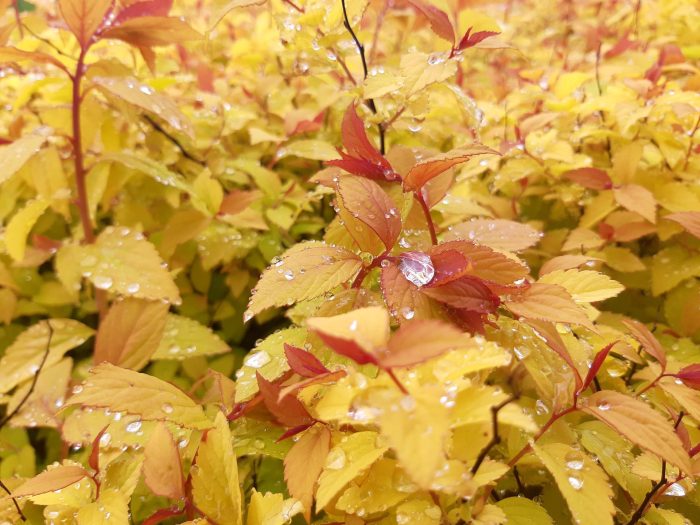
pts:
[15, 155]
[304, 273]
[467, 292]
[56, 478]
[649, 342]
[215, 485]
[304, 463]
[12, 54]
[287, 410]
[690, 375]
[130, 333]
[430, 168]
[639, 423]
[581, 481]
[123, 390]
[548, 302]
[162, 468]
[84, 17]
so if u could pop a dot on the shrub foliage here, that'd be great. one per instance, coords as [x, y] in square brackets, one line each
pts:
[423, 262]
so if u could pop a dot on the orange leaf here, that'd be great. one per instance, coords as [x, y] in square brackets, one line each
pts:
[357, 143]
[467, 292]
[303, 363]
[548, 302]
[287, 410]
[430, 168]
[162, 467]
[148, 31]
[303, 465]
[144, 8]
[499, 234]
[439, 21]
[404, 298]
[12, 54]
[639, 423]
[649, 343]
[53, 479]
[591, 178]
[418, 341]
[130, 333]
[690, 220]
[638, 199]
[486, 263]
[368, 202]
[84, 17]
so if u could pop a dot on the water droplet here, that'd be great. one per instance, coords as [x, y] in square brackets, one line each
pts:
[167, 408]
[133, 287]
[133, 427]
[102, 282]
[257, 359]
[336, 459]
[603, 405]
[576, 482]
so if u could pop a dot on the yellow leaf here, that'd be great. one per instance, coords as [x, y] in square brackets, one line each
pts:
[638, 199]
[348, 459]
[548, 302]
[310, 149]
[306, 271]
[45, 173]
[123, 261]
[20, 225]
[162, 467]
[688, 398]
[419, 512]
[303, 465]
[122, 474]
[12, 54]
[581, 481]
[671, 266]
[15, 155]
[230, 5]
[145, 97]
[22, 358]
[271, 509]
[639, 423]
[367, 327]
[523, 511]
[148, 31]
[130, 333]
[585, 286]
[215, 485]
[625, 162]
[473, 405]
[184, 338]
[123, 390]
[83, 17]
[156, 170]
[111, 508]
[376, 491]
[50, 480]
[622, 259]
[498, 234]
[420, 70]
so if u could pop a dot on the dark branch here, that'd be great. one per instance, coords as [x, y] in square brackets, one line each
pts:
[361, 48]
[173, 140]
[9, 493]
[19, 406]
[643, 507]
[495, 437]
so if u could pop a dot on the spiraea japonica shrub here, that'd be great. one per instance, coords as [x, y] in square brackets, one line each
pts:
[413, 262]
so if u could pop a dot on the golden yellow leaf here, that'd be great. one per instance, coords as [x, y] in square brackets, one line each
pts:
[83, 17]
[523, 511]
[184, 338]
[367, 327]
[548, 302]
[12, 54]
[145, 97]
[581, 481]
[688, 398]
[122, 473]
[148, 31]
[638, 199]
[227, 7]
[22, 358]
[123, 390]
[130, 333]
[50, 480]
[14, 156]
[303, 465]
[639, 423]
[162, 467]
[20, 225]
[271, 509]
[585, 286]
[215, 485]
[499, 234]
[348, 459]
[376, 491]
[111, 508]
[124, 262]
[307, 271]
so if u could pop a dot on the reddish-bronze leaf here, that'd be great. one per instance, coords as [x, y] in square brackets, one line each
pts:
[303, 465]
[149, 31]
[237, 201]
[549, 333]
[595, 365]
[84, 17]
[430, 168]
[591, 178]
[417, 341]
[467, 292]
[144, 8]
[690, 220]
[649, 343]
[488, 264]
[690, 375]
[471, 39]
[288, 410]
[303, 363]
[357, 143]
[439, 21]
[404, 298]
[369, 203]
[449, 265]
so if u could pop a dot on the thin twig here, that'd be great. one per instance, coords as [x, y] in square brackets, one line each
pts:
[19, 406]
[495, 436]
[173, 140]
[647, 499]
[9, 493]
[370, 102]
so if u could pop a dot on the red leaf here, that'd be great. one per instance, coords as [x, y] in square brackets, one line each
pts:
[595, 366]
[649, 343]
[439, 21]
[430, 168]
[356, 141]
[470, 40]
[144, 8]
[322, 379]
[467, 292]
[94, 459]
[288, 411]
[690, 375]
[620, 47]
[303, 363]
[449, 265]
[417, 267]
[369, 203]
[591, 178]
[488, 264]
[361, 167]
[348, 348]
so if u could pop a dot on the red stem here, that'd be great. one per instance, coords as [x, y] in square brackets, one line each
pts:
[428, 217]
[555, 417]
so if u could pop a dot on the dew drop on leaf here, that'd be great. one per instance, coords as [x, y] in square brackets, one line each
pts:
[417, 267]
